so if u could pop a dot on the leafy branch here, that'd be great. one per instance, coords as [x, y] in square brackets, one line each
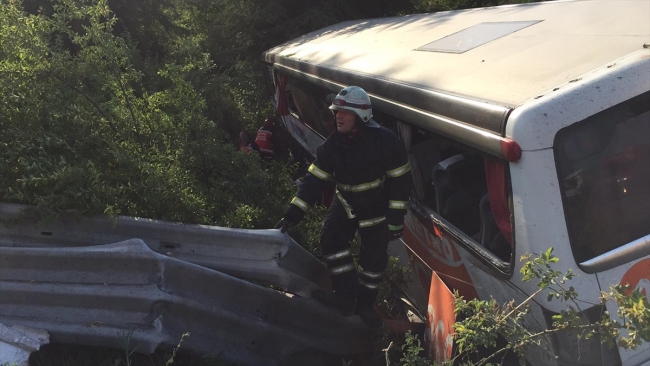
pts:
[87, 97]
[484, 322]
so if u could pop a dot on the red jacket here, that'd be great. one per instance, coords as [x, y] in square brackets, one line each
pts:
[264, 140]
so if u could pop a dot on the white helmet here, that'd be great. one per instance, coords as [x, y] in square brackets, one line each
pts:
[354, 99]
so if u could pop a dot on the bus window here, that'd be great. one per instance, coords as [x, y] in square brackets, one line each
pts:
[291, 103]
[602, 165]
[310, 104]
[450, 179]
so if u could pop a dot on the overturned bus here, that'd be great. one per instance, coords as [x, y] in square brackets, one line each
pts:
[527, 127]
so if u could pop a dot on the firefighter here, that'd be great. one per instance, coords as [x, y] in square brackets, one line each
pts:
[265, 138]
[370, 168]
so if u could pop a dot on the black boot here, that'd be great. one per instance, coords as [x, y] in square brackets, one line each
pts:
[365, 305]
[369, 315]
[344, 301]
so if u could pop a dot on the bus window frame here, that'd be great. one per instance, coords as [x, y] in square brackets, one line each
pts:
[503, 269]
[269, 79]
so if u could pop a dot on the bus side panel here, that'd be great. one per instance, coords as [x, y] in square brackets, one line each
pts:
[435, 251]
[637, 275]
[503, 291]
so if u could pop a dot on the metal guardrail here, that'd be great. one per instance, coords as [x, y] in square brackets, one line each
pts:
[265, 256]
[91, 295]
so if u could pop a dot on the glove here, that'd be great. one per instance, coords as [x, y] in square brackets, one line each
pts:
[285, 224]
[292, 217]
[395, 232]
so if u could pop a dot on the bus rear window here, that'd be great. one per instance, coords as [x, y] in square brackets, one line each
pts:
[604, 172]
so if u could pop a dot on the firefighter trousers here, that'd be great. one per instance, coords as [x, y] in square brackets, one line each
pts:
[336, 236]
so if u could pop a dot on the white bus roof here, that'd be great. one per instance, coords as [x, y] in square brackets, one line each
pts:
[561, 41]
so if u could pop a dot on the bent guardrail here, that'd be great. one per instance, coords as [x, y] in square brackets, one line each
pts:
[266, 256]
[90, 295]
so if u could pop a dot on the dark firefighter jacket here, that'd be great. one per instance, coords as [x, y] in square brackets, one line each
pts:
[371, 173]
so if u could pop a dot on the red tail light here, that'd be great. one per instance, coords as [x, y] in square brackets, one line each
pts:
[510, 150]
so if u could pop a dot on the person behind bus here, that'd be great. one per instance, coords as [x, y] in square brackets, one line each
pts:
[370, 168]
[265, 138]
[245, 142]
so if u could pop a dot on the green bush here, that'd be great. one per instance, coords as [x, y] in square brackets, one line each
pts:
[85, 131]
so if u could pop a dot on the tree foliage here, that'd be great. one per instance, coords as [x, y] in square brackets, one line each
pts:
[85, 129]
